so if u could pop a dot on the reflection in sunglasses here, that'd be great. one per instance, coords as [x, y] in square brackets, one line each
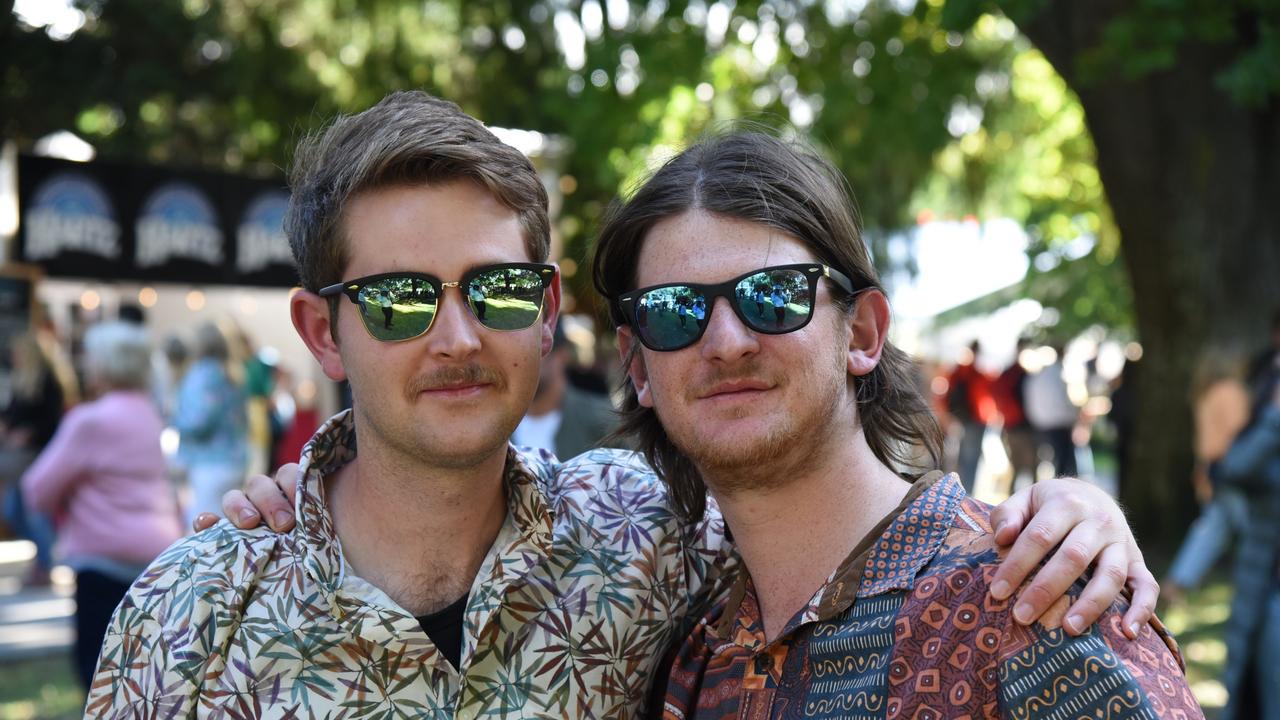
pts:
[773, 301]
[402, 306]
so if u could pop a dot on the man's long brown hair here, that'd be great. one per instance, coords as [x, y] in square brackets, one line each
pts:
[759, 178]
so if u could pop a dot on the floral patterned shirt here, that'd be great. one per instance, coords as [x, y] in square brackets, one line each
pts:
[587, 584]
[905, 629]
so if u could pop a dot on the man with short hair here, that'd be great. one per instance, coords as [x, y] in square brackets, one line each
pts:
[437, 570]
[864, 586]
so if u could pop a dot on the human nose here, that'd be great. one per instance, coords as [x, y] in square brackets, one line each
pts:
[455, 333]
[726, 337]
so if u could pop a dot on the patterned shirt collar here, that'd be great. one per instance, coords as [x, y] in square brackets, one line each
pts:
[526, 478]
[887, 559]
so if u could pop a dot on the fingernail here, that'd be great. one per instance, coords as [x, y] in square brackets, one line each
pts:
[1000, 589]
[1022, 613]
[1133, 630]
[1074, 624]
[247, 514]
[282, 518]
[1000, 528]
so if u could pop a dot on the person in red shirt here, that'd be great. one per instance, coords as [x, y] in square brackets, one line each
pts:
[970, 406]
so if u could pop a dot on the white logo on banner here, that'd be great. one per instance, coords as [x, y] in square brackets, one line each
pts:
[178, 221]
[70, 212]
[260, 239]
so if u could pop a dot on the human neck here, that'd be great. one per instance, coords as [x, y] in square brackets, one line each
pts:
[418, 533]
[793, 535]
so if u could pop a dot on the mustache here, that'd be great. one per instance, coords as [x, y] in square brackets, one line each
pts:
[748, 370]
[454, 376]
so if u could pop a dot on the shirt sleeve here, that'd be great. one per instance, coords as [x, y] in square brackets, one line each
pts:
[164, 653]
[61, 465]
[1044, 672]
[146, 667]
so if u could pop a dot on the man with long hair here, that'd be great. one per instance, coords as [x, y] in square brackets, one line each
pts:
[866, 585]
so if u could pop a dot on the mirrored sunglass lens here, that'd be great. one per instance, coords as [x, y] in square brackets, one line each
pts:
[506, 298]
[671, 317]
[397, 308]
[775, 301]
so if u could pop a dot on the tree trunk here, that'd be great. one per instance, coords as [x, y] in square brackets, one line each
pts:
[1193, 180]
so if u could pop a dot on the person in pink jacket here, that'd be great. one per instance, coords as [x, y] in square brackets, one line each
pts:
[103, 479]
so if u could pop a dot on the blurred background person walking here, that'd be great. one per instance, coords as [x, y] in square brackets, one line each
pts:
[173, 369]
[970, 406]
[564, 419]
[27, 423]
[103, 478]
[1008, 390]
[1252, 673]
[1049, 408]
[1221, 408]
[1264, 371]
[1123, 417]
[211, 422]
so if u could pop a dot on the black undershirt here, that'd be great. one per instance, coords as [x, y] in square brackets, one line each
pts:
[445, 630]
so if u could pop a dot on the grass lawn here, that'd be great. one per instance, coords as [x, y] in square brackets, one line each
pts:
[45, 688]
[1198, 624]
[39, 688]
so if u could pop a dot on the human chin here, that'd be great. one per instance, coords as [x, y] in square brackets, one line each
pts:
[463, 439]
[730, 438]
[474, 424]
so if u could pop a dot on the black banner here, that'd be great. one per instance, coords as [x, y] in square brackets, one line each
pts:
[117, 221]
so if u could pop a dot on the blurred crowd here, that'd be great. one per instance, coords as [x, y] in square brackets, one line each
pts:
[109, 445]
[1049, 421]
[1054, 422]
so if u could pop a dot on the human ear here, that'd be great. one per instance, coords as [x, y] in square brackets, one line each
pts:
[310, 315]
[868, 330]
[629, 350]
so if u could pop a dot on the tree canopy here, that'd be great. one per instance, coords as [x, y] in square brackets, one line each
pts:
[882, 88]
[1145, 129]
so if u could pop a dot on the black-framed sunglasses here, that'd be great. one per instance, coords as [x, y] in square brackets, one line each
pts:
[399, 306]
[772, 300]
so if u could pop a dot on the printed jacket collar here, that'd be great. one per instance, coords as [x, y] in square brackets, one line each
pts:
[887, 560]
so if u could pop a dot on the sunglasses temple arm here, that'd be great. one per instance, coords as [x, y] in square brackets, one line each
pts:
[839, 278]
